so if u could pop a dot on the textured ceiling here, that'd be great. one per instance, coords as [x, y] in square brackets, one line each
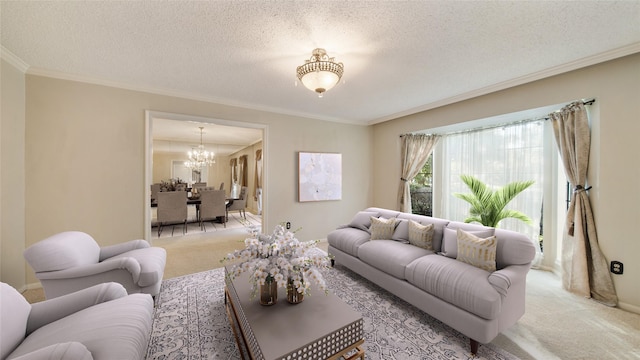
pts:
[399, 57]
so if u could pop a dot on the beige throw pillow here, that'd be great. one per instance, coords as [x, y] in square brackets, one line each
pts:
[476, 251]
[382, 229]
[421, 235]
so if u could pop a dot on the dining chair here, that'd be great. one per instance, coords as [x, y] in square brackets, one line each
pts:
[155, 189]
[222, 185]
[172, 209]
[199, 186]
[212, 207]
[239, 204]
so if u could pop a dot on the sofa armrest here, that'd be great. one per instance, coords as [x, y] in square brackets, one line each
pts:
[127, 263]
[502, 279]
[117, 249]
[62, 351]
[48, 311]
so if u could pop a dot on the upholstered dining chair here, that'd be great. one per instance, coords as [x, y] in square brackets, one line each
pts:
[212, 207]
[100, 322]
[172, 209]
[73, 260]
[239, 204]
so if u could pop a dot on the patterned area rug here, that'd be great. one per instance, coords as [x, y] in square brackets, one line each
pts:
[190, 322]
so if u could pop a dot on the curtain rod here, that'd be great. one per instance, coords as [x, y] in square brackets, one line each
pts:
[584, 102]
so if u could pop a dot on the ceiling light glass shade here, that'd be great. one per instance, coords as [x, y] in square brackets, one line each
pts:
[320, 73]
[199, 158]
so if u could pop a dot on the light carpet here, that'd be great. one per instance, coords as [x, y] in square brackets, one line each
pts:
[190, 322]
[235, 221]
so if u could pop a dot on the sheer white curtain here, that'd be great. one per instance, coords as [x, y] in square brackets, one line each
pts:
[497, 156]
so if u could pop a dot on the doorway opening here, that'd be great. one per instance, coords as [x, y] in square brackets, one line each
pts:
[168, 139]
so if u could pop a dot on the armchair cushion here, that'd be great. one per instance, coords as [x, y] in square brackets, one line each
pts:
[117, 249]
[43, 313]
[65, 351]
[152, 262]
[14, 314]
[62, 251]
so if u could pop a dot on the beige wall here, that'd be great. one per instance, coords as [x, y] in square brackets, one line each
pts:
[12, 175]
[616, 87]
[85, 161]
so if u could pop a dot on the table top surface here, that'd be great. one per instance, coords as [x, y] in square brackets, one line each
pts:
[283, 328]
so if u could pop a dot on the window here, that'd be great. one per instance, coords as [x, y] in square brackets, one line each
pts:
[421, 188]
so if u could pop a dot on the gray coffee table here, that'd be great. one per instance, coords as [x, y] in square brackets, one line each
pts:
[320, 327]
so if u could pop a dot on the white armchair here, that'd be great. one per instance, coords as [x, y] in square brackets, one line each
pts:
[100, 322]
[72, 260]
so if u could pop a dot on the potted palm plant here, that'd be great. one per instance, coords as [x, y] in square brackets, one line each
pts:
[488, 205]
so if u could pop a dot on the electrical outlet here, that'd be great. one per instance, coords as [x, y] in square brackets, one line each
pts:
[289, 226]
[617, 267]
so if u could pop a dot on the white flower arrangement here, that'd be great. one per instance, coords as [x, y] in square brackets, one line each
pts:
[279, 257]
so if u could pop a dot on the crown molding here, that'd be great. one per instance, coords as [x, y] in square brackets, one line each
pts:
[179, 94]
[556, 70]
[12, 59]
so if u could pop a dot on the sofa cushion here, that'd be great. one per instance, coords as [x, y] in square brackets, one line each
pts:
[457, 283]
[348, 239]
[476, 251]
[450, 238]
[421, 235]
[381, 228]
[362, 220]
[390, 256]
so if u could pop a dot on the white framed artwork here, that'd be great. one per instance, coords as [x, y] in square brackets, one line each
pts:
[319, 176]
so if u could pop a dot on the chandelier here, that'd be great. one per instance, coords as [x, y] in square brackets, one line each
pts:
[199, 158]
[320, 73]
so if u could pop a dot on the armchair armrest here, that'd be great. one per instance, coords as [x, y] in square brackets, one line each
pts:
[502, 279]
[127, 263]
[62, 351]
[48, 311]
[117, 249]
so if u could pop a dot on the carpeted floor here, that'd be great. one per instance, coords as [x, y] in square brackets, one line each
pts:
[191, 323]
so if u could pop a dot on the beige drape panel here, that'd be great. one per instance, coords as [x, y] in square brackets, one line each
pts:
[414, 154]
[258, 174]
[585, 270]
[233, 163]
[243, 170]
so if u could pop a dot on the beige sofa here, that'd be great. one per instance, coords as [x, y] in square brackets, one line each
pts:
[433, 275]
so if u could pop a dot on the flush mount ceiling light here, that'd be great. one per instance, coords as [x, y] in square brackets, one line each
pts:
[320, 73]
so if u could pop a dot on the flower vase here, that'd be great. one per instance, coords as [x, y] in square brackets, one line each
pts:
[293, 296]
[268, 293]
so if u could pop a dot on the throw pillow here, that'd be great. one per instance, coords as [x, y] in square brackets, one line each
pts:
[382, 229]
[362, 220]
[450, 240]
[401, 233]
[476, 251]
[421, 235]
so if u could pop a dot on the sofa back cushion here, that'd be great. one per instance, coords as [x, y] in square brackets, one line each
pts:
[14, 313]
[438, 228]
[362, 220]
[63, 251]
[450, 238]
[513, 248]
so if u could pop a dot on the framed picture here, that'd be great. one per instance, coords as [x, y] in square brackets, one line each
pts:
[319, 176]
